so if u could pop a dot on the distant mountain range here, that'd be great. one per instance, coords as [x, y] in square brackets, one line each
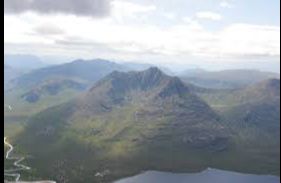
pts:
[85, 72]
[132, 121]
[226, 78]
[89, 71]
[37, 86]
[257, 104]
[21, 87]
[10, 73]
[92, 70]
[52, 87]
[23, 62]
[125, 118]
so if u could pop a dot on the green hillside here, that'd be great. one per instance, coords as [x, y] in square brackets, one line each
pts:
[135, 121]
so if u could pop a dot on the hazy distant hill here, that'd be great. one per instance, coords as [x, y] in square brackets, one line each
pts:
[52, 88]
[10, 73]
[253, 115]
[89, 71]
[41, 88]
[257, 105]
[31, 91]
[226, 78]
[263, 91]
[23, 62]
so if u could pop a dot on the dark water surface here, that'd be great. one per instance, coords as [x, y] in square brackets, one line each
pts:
[207, 176]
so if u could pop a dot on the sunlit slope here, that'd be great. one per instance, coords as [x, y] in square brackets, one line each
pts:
[142, 119]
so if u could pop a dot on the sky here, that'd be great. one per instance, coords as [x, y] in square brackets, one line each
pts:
[210, 34]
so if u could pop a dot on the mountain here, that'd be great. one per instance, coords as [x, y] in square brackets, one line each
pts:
[89, 71]
[226, 78]
[39, 89]
[136, 66]
[125, 123]
[252, 113]
[267, 90]
[257, 105]
[128, 122]
[261, 92]
[139, 67]
[23, 62]
[30, 91]
[10, 73]
[52, 88]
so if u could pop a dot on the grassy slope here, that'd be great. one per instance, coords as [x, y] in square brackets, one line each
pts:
[117, 142]
[253, 115]
[126, 151]
[141, 132]
[111, 144]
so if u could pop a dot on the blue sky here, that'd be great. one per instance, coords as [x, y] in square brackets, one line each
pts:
[216, 34]
[258, 12]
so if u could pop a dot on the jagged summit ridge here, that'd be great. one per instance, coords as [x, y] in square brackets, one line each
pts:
[150, 79]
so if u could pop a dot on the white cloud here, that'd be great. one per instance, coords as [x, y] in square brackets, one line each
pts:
[170, 15]
[208, 15]
[246, 39]
[191, 22]
[125, 9]
[14, 34]
[80, 36]
[226, 4]
[188, 20]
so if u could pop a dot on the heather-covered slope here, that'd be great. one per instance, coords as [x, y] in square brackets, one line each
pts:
[125, 123]
[134, 121]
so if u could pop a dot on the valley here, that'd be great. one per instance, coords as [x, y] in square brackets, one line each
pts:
[141, 91]
[17, 160]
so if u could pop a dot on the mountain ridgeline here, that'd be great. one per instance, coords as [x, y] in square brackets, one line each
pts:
[125, 117]
[90, 71]
[41, 88]
[226, 79]
[128, 122]
[52, 88]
